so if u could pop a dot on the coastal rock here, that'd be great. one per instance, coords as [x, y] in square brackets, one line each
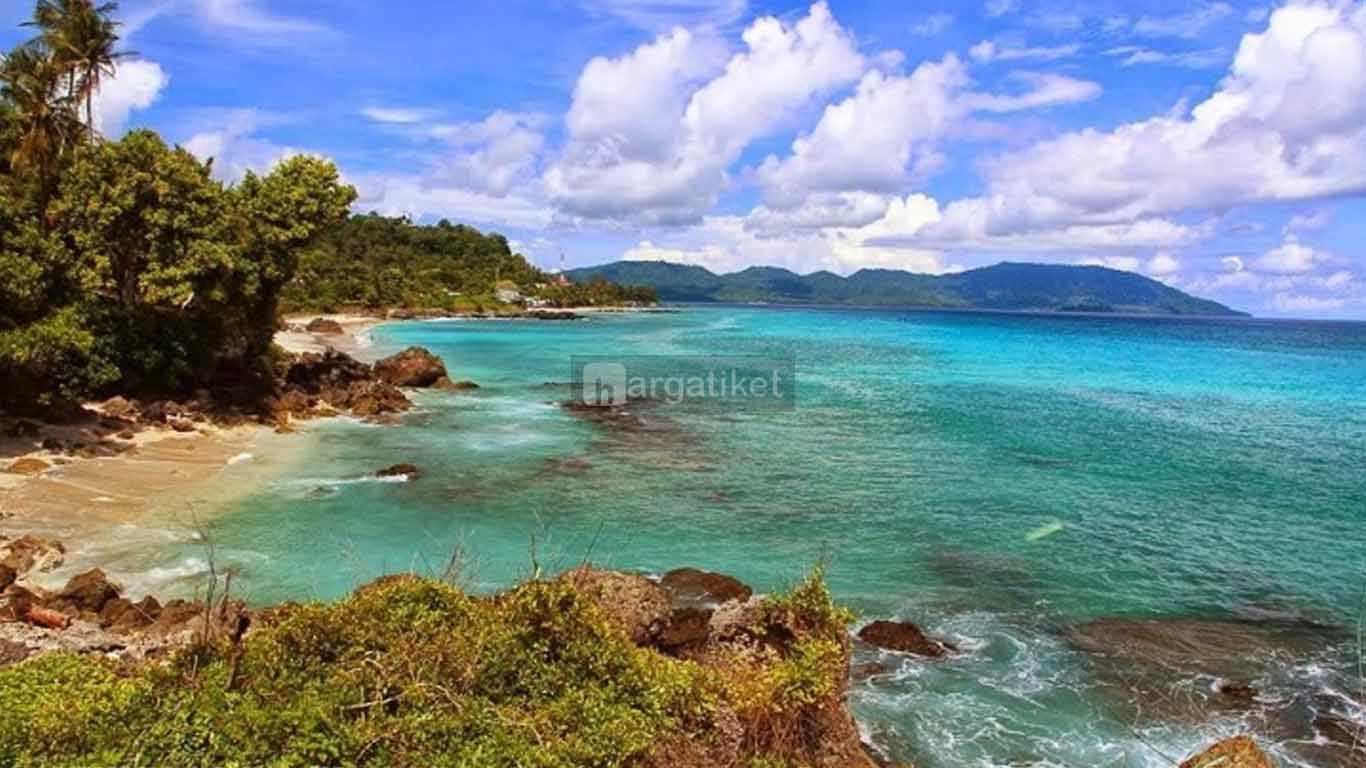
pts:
[119, 408]
[31, 553]
[903, 637]
[88, 592]
[690, 587]
[410, 471]
[312, 372]
[183, 426]
[454, 386]
[7, 576]
[325, 327]
[1238, 752]
[376, 398]
[29, 466]
[413, 367]
[632, 602]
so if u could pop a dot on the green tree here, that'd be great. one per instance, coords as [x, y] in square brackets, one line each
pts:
[81, 37]
[45, 117]
[147, 224]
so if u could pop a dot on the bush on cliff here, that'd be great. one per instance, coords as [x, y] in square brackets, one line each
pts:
[415, 672]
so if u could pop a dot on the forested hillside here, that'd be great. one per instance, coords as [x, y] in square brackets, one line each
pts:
[371, 261]
[1007, 286]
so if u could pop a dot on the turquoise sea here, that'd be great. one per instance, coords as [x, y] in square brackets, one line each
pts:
[999, 479]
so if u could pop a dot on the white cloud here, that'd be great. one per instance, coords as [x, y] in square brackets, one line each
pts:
[1043, 90]
[1134, 55]
[1122, 263]
[867, 141]
[397, 115]
[245, 21]
[135, 85]
[1291, 258]
[885, 133]
[727, 244]
[417, 197]
[658, 15]
[1163, 264]
[233, 145]
[998, 8]
[492, 155]
[1309, 221]
[1188, 25]
[652, 162]
[1288, 302]
[242, 22]
[1288, 123]
[987, 51]
[932, 25]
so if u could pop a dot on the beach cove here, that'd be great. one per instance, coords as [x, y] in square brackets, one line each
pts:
[1022, 536]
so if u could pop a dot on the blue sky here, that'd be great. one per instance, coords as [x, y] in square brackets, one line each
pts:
[1218, 147]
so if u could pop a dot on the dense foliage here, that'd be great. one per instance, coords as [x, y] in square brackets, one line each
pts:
[1008, 286]
[127, 264]
[412, 672]
[373, 261]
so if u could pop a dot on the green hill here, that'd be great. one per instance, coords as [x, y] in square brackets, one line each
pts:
[1006, 286]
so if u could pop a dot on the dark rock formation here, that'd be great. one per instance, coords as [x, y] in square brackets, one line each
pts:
[904, 637]
[88, 592]
[455, 386]
[410, 471]
[325, 327]
[690, 587]
[413, 367]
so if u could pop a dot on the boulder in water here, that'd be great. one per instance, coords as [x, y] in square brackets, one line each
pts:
[413, 367]
[410, 471]
[903, 637]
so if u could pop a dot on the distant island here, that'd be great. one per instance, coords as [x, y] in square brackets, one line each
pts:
[1007, 286]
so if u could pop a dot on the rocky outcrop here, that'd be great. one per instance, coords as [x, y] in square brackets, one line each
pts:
[337, 381]
[86, 593]
[31, 553]
[410, 471]
[903, 637]
[29, 466]
[638, 606]
[413, 367]
[1238, 752]
[692, 587]
[454, 386]
[325, 327]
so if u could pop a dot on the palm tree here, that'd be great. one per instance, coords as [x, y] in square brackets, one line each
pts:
[82, 38]
[46, 111]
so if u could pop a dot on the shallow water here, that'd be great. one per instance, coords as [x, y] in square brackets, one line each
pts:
[996, 478]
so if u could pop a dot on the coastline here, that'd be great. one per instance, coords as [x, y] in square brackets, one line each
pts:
[117, 495]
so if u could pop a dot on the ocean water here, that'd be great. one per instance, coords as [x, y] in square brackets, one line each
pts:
[999, 479]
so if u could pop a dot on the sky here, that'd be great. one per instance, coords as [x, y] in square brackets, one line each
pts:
[1217, 147]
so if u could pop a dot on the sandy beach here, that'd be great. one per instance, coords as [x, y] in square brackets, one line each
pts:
[118, 493]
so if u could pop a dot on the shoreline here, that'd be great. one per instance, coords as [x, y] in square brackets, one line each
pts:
[114, 494]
